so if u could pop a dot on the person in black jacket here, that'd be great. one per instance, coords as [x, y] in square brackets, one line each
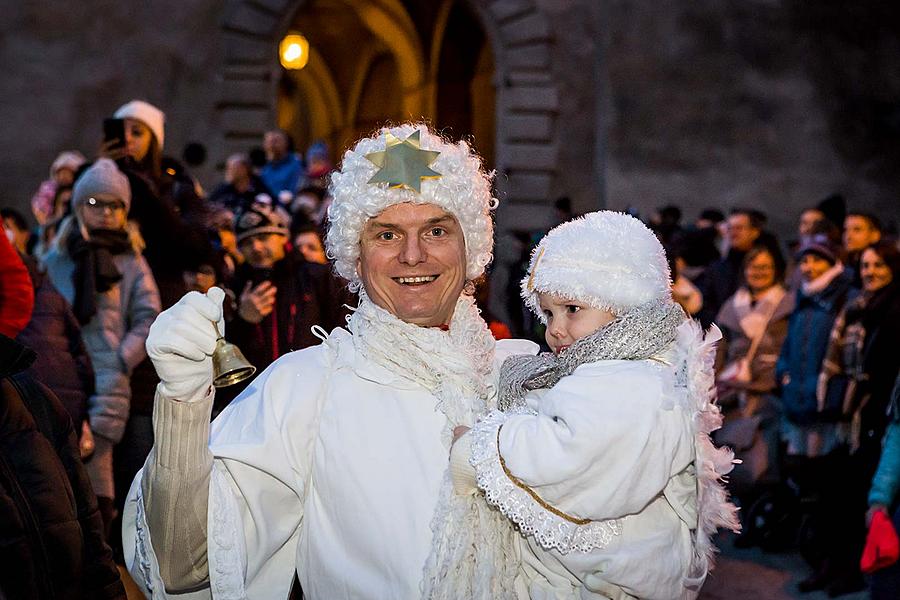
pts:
[51, 532]
[62, 363]
[723, 277]
[279, 295]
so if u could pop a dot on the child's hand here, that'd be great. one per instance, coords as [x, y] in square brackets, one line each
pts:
[458, 432]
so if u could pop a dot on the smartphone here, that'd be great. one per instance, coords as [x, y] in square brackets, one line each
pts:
[114, 129]
[259, 276]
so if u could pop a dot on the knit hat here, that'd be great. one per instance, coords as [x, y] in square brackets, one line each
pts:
[460, 187]
[259, 218]
[103, 180]
[821, 246]
[70, 159]
[147, 114]
[606, 259]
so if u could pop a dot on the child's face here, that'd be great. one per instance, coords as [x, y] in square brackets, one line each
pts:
[570, 320]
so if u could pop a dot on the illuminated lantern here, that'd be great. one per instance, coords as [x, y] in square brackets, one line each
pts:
[294, 51]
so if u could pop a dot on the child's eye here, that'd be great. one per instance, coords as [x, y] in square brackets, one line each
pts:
[572, 308]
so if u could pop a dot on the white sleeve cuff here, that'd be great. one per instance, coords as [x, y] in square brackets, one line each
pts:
[461, 472]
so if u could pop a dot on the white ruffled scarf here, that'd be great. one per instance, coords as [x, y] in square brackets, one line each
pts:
[473, 552]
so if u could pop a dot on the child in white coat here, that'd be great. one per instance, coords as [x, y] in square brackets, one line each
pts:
[600, 453]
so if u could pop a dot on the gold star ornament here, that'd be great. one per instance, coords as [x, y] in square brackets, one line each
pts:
[403, 163]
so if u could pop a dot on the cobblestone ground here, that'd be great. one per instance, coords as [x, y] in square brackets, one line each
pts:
[751, 574]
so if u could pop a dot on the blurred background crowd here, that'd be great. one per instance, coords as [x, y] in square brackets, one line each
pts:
[807, 368]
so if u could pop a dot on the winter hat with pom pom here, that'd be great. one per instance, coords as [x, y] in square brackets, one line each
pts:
[606, 259]
[461, 187]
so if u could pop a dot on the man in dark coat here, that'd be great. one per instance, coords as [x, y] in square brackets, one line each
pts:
[722, 278]
[279, 295]
[52, 533]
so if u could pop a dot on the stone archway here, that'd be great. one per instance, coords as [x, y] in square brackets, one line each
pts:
[527, 98]
[527, 101]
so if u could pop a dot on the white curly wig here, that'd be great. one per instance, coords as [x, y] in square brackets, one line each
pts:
[606, 259]
[463, 190]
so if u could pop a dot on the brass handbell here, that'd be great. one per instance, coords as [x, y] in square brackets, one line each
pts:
[229, 365]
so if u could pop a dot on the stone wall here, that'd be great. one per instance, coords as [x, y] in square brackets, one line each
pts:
[760, 103]
[67, 65]
[767, 103]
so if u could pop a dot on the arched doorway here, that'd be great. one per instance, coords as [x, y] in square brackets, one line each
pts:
[515, 41]
[382, 61]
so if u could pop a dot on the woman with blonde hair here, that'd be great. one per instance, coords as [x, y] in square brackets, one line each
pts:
[96, 264]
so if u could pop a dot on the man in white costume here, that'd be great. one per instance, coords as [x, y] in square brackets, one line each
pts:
[334, 462]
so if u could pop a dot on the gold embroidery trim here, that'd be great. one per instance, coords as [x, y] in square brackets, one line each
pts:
[537, 261]
[531, 492]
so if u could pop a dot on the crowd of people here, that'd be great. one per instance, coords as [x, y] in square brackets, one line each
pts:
[124, 236]
[805, 374]
[806, 371]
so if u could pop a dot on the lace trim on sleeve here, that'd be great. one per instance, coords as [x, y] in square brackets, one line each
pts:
[551, 528]
[226, 551]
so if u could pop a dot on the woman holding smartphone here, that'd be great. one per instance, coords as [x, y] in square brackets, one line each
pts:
[167, 210]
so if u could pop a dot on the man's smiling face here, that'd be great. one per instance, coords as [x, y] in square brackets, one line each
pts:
[412, 262]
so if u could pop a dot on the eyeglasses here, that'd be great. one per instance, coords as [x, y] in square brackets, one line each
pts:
[102, 205]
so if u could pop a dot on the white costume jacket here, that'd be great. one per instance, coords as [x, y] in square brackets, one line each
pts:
[599, 475]
[328, 464]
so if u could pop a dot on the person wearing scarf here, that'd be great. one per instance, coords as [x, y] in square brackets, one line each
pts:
[96, 264]
[824, 289]
[858, 375]
[599, 452]
[334, 463]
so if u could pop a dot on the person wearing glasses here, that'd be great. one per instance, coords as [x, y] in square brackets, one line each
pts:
[96, 264]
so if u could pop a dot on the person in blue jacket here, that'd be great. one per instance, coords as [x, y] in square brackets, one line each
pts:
[884, 496]
[808, 429]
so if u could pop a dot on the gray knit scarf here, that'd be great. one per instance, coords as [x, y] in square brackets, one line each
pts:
[637, 334]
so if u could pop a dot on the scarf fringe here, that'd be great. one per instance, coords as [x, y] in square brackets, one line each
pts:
[472, 552]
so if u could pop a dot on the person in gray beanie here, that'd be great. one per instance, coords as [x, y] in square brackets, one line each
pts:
[96, 264]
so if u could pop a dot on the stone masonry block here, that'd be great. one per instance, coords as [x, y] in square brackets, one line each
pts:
[276, 6]
[245, 120]
[245, 91]
[526, 156]
[529, 78]
[517, 127]
[531, 98]
[530, 186]
[246, 17]
[242, 49]
[531, 56]
[506, 9]
[527, 28]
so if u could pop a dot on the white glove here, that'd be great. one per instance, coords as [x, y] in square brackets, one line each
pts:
[181, 342]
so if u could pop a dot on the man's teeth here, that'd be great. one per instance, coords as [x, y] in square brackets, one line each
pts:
[425, 279]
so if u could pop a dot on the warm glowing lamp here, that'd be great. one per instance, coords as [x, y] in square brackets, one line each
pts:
[294, 51]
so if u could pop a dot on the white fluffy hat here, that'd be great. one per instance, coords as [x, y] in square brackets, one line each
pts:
[148, 114]
[463, 189]
[606, 259]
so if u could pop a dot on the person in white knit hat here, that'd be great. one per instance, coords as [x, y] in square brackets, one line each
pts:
[598, 446]
[333, 464]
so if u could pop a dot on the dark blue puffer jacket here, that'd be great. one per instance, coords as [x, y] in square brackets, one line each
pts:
[804, 349]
